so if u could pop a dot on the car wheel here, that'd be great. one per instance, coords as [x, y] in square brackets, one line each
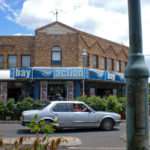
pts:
[107, 124]
[47, 121]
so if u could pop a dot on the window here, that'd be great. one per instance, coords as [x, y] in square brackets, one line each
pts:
[109, 64]
[95, 61]
[80, 108]
[62, 107]
[120, 66]
[105, 65]
[56, 55]
[12, 61]
[123, 65]
[102, 62]
[85, 60]
[116, 66]
[1, 62]
[26, 61]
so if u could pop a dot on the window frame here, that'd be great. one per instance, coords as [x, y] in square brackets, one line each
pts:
[95, 63]
[8, 64]
[2, 56]
[55, 62]
[22, 60]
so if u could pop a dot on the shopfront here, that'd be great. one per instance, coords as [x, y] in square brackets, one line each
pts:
[60, 83]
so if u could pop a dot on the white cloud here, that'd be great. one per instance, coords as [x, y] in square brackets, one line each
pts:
[105, 18]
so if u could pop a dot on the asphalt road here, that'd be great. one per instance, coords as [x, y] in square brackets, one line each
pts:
[90, 138]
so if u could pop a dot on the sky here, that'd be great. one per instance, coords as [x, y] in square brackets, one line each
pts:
[104, 18]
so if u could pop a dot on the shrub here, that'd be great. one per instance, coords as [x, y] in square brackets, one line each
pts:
[123, 101]
[41, 126]
[2, 110]
[37, 104]
[10, 107]
[23, 105]
[113, 104]
[95, 102]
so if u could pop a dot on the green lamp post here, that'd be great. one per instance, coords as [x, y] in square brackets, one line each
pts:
[137, 84]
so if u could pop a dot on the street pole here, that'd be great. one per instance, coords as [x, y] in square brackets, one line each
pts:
[84, 59]
[137, 84]
[83, 82]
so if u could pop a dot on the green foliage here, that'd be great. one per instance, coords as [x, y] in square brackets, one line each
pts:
[111, 103]
[37, 104]
[40, 126]
[25, 104]
[10, 107]
[95, 102]
[2, 110]
[123, 101]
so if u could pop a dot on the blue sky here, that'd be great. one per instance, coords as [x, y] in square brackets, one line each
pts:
[104, 18]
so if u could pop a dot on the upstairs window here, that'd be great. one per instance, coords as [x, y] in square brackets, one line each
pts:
[56, 55]
[12, 61]
[26, 61]
[109, 64]
[1, 62]
[102, 62]
[116, 66]
[95, 61]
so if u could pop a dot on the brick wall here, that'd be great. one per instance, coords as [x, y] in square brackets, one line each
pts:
[71, 43]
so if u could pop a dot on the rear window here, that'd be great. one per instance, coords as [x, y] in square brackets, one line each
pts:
[62, 107]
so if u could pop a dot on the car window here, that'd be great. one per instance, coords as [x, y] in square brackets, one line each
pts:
[62, 107]
[80, 108]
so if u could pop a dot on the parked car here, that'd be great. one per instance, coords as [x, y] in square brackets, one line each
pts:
[73, 114]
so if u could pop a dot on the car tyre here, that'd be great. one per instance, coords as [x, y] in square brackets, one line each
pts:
[107, 124]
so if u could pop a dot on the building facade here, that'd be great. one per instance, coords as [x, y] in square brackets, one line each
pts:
[60, 61]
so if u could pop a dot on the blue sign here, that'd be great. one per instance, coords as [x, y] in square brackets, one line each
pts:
[39, 73]
[65, 73]
[22, 73]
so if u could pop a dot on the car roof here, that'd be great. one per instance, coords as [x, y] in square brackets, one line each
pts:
[74, 101]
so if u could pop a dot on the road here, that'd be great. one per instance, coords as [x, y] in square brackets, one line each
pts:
[90, 138]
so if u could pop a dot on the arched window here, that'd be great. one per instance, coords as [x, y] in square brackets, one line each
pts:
[56, 55]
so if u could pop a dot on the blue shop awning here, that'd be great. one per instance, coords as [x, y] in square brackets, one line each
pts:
[65, 73]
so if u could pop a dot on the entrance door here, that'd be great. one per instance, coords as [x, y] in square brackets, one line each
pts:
[56, 92]
[14, 93]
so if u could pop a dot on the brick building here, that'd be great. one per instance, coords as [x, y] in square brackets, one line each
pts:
[60, 60]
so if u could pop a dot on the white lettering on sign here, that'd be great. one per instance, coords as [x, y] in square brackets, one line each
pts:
[23, 73]
[111, 76]
[68, 73]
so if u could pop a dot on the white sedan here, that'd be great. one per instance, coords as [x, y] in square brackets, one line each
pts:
[73, 114]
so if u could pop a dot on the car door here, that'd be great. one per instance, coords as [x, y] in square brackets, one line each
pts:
[62, 111]
[84, 118]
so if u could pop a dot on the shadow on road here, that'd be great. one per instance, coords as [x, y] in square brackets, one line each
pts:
[67, 131]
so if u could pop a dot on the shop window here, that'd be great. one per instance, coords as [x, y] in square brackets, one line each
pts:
[1, 62]
[56, 55]
[26, 61]
[95, 61]
[12, 61]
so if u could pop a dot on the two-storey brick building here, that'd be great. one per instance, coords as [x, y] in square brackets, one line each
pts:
[60, 60]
